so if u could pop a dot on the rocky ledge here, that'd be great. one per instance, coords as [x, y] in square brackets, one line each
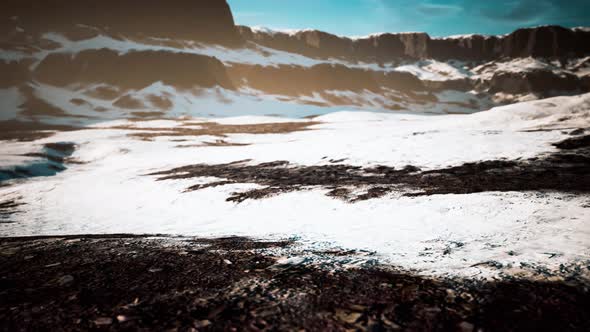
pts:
[546, 41]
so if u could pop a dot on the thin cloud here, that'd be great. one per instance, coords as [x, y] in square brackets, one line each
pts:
[438, 9]
[522, 11]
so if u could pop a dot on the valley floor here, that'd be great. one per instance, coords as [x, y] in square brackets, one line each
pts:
[377, 220]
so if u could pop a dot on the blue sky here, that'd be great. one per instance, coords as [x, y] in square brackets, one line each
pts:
[437, 17]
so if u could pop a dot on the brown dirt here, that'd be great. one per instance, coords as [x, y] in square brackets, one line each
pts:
[29, 131]
[130, 283]
[143, 115]
[216, 143]
[220, 130]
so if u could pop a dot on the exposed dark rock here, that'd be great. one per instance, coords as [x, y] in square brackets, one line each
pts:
[129, 102]
[575, 143]
[474, 47]
[561, 171]
[14, 73]
[544, 82]
[79, 102]
[227, 286]
[161, 102]
[548, 41]
[132, 70]
[26, 131]
[199, 20]
[297, 80]
[103, 92]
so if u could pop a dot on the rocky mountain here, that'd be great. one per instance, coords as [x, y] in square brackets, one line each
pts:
[546, 41]
[81, 61]
[205, 20]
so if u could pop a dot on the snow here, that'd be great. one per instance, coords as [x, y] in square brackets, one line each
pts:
[433, 70]
[10, 101]
[412, 233]
[558, 112]
[379, 34]
[519, 65]
[13, 154]
[449, 101]
[272, 31]
[200, 103]
[459, 36]
[8, 55]
[256, 55]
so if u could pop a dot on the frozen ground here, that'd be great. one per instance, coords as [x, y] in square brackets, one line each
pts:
[106, 188]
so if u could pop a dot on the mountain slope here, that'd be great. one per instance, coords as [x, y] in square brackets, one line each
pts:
[86, 63]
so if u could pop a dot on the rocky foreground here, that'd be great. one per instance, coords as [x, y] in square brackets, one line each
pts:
[124, 282]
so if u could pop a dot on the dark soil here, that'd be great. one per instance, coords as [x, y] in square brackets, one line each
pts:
[129, 283]
[7, 209]
[219, 130]
[567, 170]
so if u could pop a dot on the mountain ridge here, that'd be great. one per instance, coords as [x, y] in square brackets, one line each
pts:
[543, 41]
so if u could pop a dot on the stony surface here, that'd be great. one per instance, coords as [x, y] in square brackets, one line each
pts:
[128, 283]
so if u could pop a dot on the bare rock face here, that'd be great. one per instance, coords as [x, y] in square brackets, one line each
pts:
[540, 82]
[311, 43]
[415, 44]
[133, 70]
[473, 47]
[14, 73]
[297, 80]
[198, 20]
[547, 41]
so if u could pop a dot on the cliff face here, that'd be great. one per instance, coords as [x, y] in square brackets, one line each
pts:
[199, 20]
[548, 41]
[133, 70]
[118, 58]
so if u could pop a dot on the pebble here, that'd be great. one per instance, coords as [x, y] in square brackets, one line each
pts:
[103, 321]
[65, 280]
[466, 327]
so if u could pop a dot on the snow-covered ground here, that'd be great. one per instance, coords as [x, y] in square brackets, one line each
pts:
[108, 189]
[81, 107]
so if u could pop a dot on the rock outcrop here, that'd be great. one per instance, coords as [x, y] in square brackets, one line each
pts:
[540, 82]
[14, 73]
[198, 20]
[546, 41]
[133, 70]
[297, 80]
